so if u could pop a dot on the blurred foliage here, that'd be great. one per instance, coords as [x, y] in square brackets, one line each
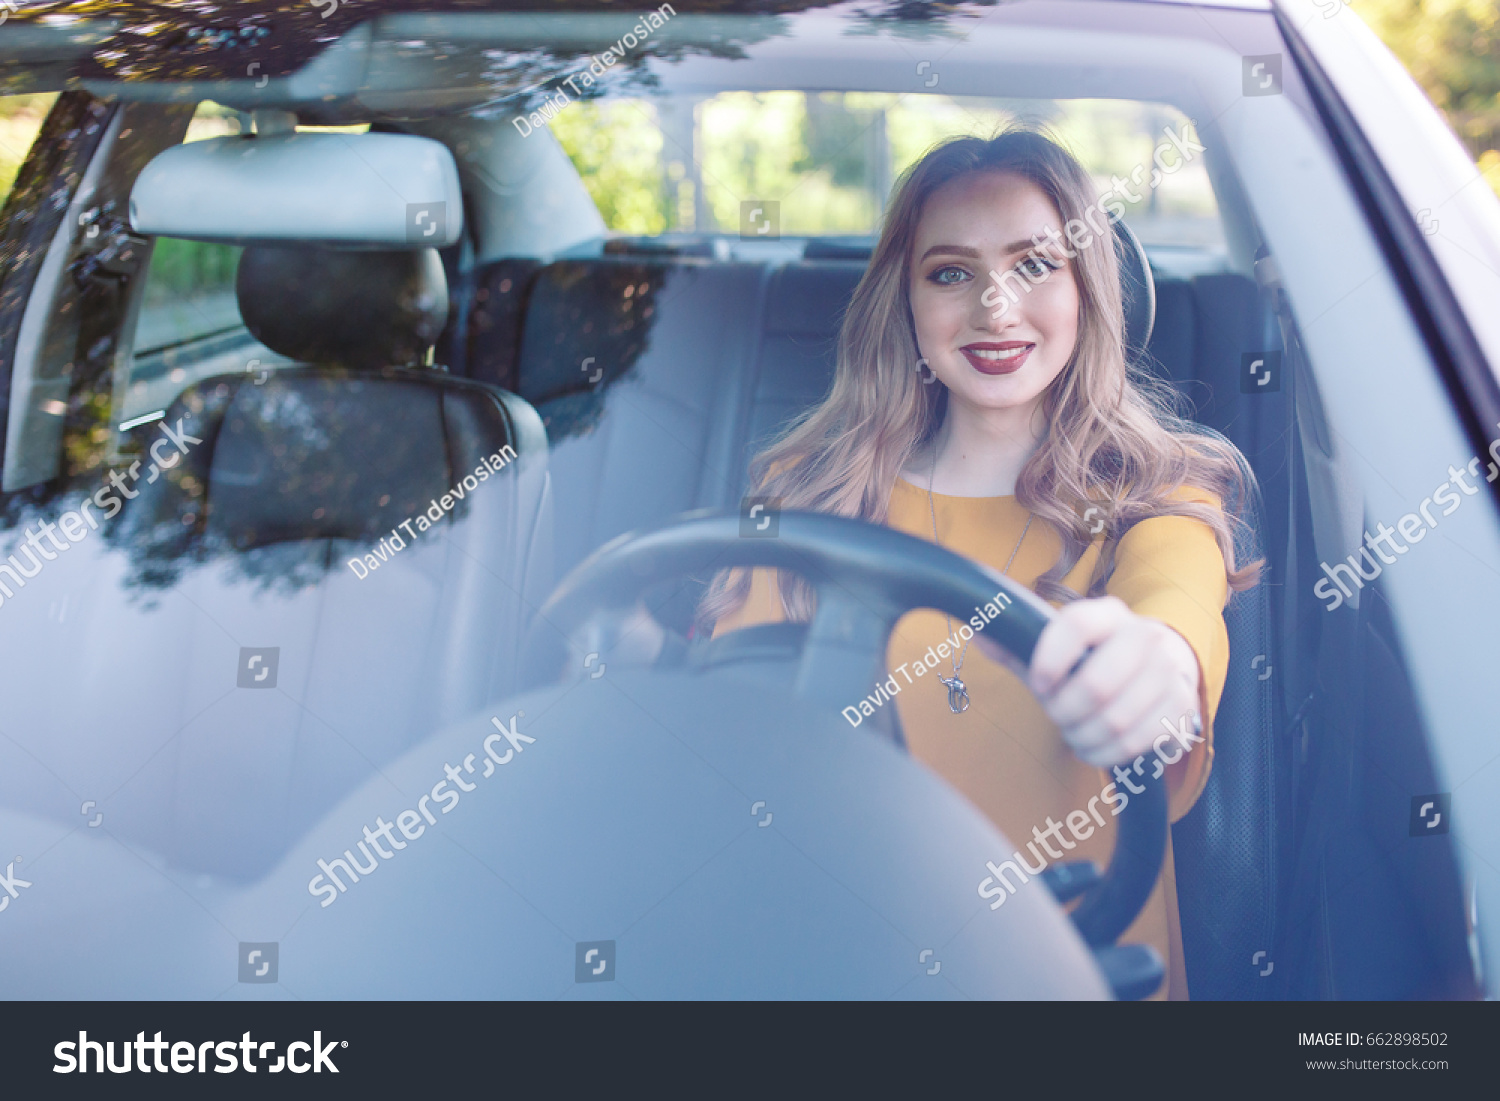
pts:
[829, 159]
[836, 132]
[616, 146]
[1452, 49]
[181, 267]
[756, 146]
[20, 119]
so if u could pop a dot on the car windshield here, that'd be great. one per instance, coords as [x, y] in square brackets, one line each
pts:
[317, 492]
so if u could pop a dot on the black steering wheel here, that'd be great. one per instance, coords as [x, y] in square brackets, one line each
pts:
[866, 577]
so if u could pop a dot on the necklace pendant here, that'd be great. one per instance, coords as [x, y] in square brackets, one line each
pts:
[958, 694]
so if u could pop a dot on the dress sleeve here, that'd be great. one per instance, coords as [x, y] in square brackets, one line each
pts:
[1170, 569]
[763, 605]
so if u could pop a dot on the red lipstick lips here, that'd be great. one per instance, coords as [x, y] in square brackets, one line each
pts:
[997, 358]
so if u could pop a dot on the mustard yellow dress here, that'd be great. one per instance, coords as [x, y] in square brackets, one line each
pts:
[1003, 753]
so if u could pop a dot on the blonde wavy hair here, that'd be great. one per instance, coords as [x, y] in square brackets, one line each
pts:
[1113, 436]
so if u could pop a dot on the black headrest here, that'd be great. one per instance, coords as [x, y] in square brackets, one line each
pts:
[1138, 291]
[366, 310]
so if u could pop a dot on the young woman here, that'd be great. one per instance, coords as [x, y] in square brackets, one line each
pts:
[982, 400]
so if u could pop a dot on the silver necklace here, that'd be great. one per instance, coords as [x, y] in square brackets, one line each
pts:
[958, 692]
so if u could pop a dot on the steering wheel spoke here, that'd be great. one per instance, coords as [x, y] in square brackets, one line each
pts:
[845, 647]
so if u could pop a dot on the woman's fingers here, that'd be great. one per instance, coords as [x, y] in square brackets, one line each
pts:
[1117, 716]
[1131, 729]
[1067, 638]
[1110, 669]
[1108, 677]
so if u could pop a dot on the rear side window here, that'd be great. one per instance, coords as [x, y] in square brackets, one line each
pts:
[189, 294]
[189, 291]
[189, 325]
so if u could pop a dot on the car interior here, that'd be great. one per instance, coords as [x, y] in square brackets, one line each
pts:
[358, 379]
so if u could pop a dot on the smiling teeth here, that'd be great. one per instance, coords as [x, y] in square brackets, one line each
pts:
[992, 354]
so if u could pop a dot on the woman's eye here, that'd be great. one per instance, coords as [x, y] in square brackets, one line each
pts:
[949, 276]
[1037, 266]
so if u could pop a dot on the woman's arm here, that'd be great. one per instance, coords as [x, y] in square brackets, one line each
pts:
[1161, 655]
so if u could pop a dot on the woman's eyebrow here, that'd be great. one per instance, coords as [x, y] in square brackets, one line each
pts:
[953, 250]
[973, 253]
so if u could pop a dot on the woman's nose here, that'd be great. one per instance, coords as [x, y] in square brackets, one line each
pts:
[996, 306]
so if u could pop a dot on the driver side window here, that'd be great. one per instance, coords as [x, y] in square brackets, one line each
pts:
[20, 120]
[189, 327]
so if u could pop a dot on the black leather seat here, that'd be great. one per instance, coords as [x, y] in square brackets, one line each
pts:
[243, 548]
[795, 354]
[1229, 849]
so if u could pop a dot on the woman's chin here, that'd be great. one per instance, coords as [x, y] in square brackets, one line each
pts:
[996, 393]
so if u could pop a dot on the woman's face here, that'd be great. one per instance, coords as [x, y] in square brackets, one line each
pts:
[973, 226]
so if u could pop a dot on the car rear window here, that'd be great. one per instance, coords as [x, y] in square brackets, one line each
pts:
[822, 163]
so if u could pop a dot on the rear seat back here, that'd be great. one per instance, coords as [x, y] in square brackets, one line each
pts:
[639, 370]
[1206, 329]
[799, 341]
[667, 372]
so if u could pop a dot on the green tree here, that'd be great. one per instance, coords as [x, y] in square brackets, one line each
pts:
[20, 119]
[1452, 49]
[616, 147]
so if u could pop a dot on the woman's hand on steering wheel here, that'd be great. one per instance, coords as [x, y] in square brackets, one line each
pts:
[1111, 707]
